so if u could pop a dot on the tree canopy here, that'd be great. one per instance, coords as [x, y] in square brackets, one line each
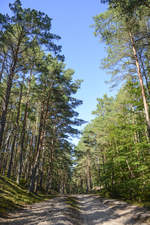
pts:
[113, 154]
[38, 108]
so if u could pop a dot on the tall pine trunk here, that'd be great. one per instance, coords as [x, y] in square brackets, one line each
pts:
[3, 67]
[15, 135]
[43, 118]
[23, 132]
[7, 96]
[8, 91]
[36, 162]
[22, 144]
[146, 108]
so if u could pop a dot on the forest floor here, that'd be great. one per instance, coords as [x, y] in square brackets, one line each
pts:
[15, 197]
[79, 210]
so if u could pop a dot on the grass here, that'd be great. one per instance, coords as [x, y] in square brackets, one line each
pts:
[14, 196]
[145, 204]
[141, 202]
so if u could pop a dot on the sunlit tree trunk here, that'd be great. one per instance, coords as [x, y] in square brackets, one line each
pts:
[23, 132]
[146, 108]
[3, 67]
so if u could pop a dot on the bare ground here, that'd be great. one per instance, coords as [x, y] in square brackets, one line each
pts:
[86, 210]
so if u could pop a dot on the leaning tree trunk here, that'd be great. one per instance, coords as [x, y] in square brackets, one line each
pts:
[144, 74]
[146, 109]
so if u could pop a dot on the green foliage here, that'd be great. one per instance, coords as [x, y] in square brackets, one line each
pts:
[113, 152]
[38, 108]
[117, 144]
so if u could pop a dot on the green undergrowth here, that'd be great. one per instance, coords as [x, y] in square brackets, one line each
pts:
[14, 196]
[145, 204]
[139, 202]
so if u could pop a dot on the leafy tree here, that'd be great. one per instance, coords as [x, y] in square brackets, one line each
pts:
[19, 33]
[118, 146]
[38, 114]
[110, 27]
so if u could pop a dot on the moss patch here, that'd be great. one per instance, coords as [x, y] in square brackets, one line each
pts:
[14, 196]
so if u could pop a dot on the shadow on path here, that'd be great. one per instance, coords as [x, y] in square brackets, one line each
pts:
[53, 212]
[79, 210]
[96, 211]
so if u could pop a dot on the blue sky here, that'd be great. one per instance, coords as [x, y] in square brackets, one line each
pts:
[83, 52]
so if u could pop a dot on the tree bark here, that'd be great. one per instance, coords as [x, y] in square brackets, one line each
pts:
[144, 74]
[22, 144]
[15, 135]
[146, 108]
[23, 131]
[36, 162]
[4, 112]
[8, 91]
[88, 173]
[43, 118]
[3, 67]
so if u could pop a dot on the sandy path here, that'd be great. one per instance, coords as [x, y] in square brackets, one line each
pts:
[92, 210]
[97, 211]
[54, 211]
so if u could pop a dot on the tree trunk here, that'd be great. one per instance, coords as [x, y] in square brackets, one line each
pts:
[43, 118]
[130, 170]
[15, 135]
[146, 109]
[3, 67]
[39, 143]
[4, 112]
[8, 92]
[23, 131]
[144, 74]
[22, 144]
[88, 173]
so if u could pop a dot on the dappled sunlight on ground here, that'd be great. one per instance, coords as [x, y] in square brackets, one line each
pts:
[96, 210]
[79, 210]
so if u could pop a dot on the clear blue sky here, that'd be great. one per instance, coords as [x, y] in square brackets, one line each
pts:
[83, 52]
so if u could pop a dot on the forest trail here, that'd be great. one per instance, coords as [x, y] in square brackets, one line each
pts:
[79, 210]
